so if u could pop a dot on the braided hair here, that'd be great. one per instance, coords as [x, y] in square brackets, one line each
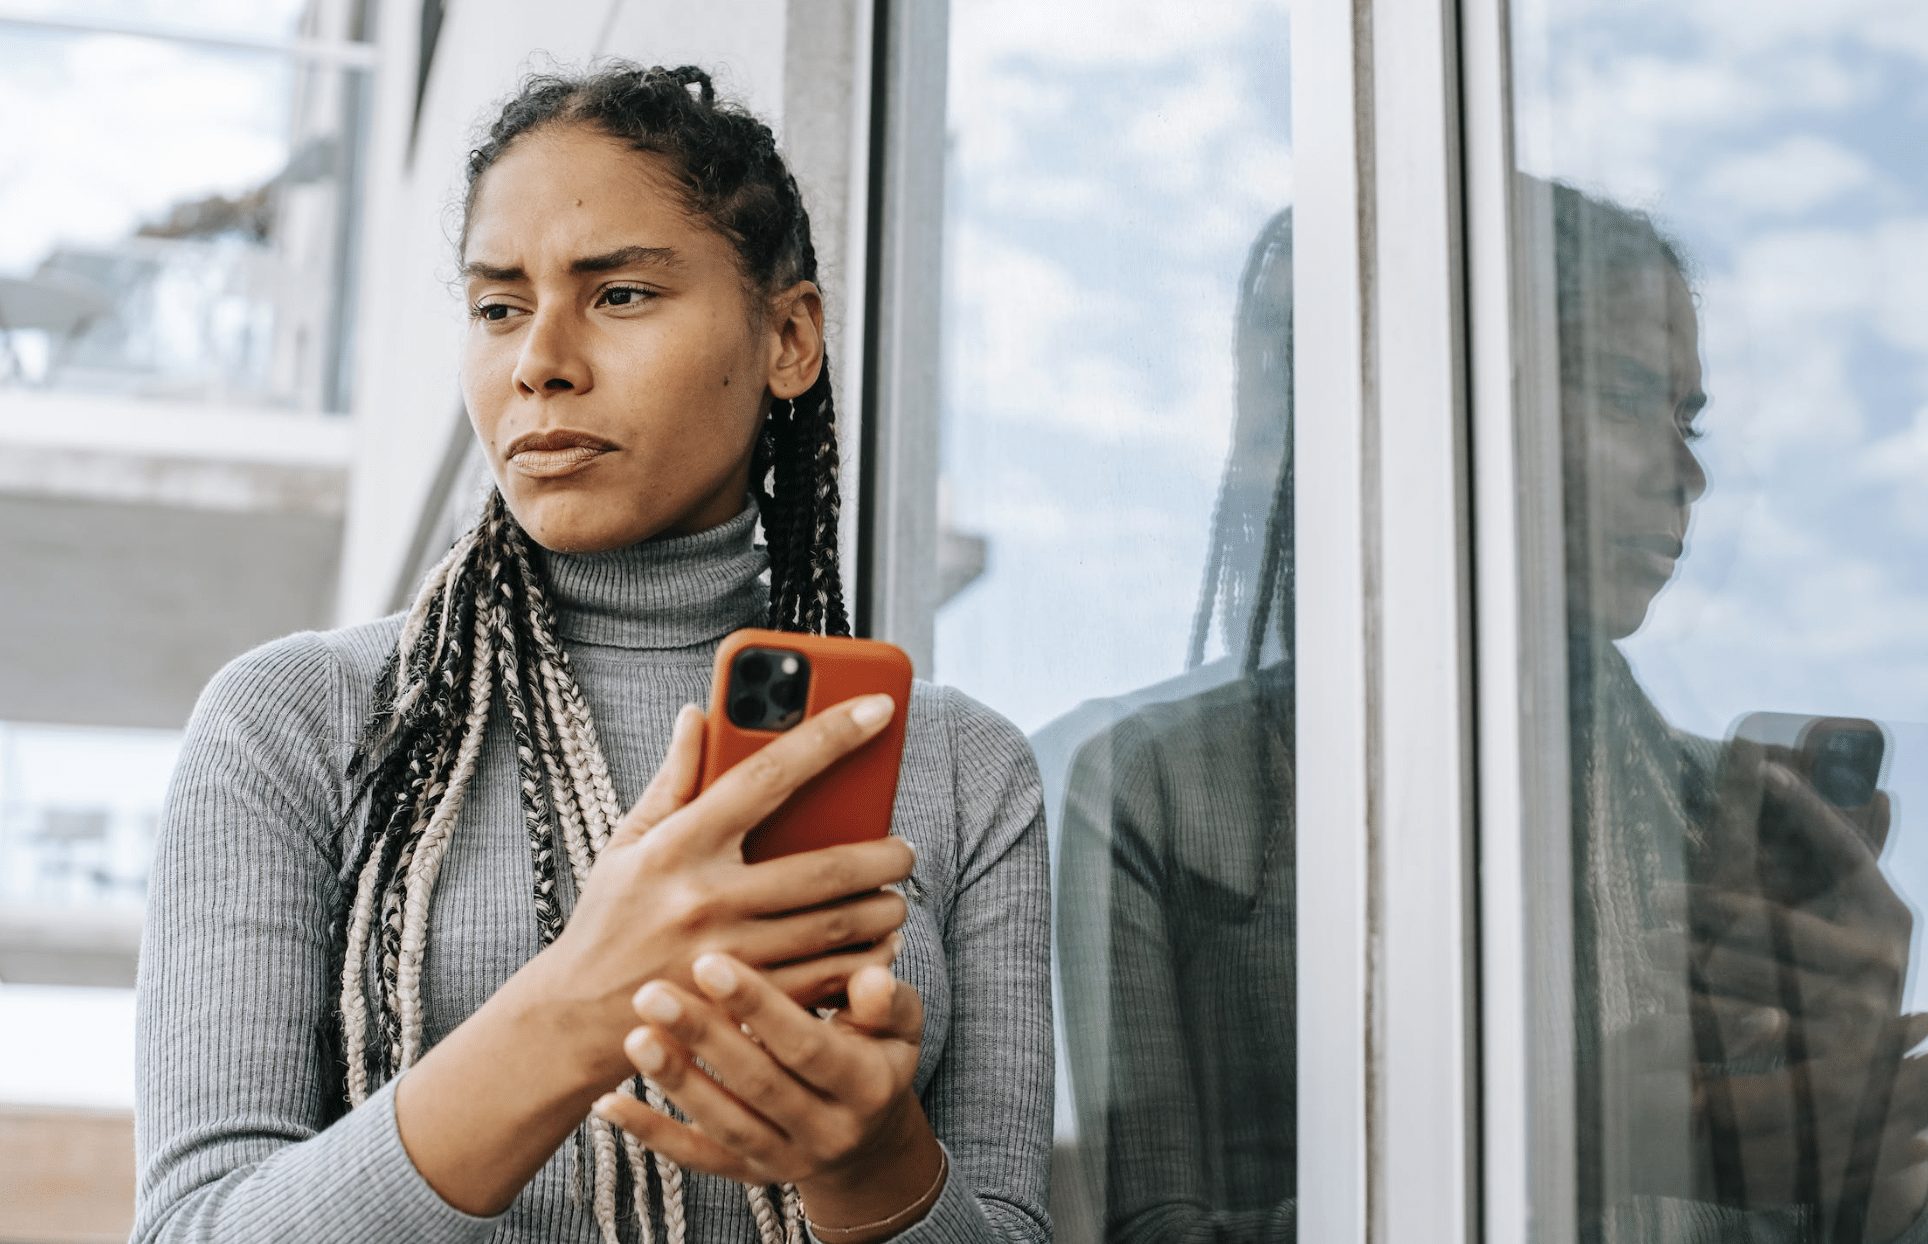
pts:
[1250, 574]
[482, 632]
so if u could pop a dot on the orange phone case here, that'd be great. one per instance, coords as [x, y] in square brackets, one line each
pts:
[851, 801]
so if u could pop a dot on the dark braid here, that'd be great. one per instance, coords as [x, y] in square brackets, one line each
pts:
[1249, 571]
[482, 631]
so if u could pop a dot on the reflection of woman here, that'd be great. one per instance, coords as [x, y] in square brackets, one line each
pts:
[1712, 1106]
[1176, 876]
[1175, 884]
[406, 891]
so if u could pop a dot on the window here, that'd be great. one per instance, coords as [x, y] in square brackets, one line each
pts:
[199, 250]
[1722, 227]
[1114, 566]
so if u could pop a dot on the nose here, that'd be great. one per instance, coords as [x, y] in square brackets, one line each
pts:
[1687, 470]
[551, 360]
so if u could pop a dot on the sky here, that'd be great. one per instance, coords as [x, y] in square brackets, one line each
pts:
[1109, 167]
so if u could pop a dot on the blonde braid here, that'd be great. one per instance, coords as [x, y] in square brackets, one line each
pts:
[792, 1215]
[602, 1138]
[427, 864]
[769, 1227]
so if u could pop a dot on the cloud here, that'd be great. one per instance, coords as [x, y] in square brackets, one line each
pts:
[1790, 178]
[1037, 345]
[1088, 33]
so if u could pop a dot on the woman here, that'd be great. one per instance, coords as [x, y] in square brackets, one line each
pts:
[410, 921]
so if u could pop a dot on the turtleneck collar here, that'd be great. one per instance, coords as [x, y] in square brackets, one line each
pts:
[669, 592]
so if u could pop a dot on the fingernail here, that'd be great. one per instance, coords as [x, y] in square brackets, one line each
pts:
[896, 946]
[1763, 1024]
[873, 710]
[648, 1054]
[656, 1003]
[605, 1106]
[687, 716]
[1778, 776]
[713, 973]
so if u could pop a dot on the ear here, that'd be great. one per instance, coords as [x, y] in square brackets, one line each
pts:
[796, 325]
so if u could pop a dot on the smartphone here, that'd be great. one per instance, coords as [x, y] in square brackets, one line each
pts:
[767, 682]
[1843, 758]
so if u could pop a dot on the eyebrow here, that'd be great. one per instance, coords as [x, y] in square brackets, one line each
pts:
[1637, 372]
[621, 257]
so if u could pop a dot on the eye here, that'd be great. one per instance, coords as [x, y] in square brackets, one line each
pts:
[487, 312]
[625, 296]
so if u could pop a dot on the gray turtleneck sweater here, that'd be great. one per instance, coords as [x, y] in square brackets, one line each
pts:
[241, 1128]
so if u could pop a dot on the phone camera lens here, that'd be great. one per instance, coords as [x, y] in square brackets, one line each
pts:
[747, 710]
[753, 668]
[787, 694]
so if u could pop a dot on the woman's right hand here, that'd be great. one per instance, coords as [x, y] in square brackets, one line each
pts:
[671, 885]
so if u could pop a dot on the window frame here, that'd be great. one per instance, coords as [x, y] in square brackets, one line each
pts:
[1404, 250]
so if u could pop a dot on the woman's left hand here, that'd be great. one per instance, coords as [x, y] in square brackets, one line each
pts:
[788, 1097]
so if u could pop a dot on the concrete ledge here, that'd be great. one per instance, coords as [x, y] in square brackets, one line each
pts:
[69, 946]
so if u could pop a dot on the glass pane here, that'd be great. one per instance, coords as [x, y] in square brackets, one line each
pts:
[176, 222]
[1116, 562]
[1726, 229]
[240, 19]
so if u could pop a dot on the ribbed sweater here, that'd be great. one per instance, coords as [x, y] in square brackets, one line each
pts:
[242, 1129]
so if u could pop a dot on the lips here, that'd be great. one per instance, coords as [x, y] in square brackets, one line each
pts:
[1654, 555]
[1668, 546]
[555, 452]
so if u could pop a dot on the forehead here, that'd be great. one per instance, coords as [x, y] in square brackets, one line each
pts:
[1648, 312]
[568, 191]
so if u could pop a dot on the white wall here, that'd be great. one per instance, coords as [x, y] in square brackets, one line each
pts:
[407, 405]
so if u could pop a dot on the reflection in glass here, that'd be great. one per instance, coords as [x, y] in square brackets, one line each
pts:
[1176, 879]
[1116, 381]
[1742, 708]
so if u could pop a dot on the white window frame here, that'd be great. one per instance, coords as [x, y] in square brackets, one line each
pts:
[1434, 1104]
[1528, 1122]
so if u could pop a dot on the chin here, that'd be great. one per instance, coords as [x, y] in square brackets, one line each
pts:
[1621, 618]
[582, 523]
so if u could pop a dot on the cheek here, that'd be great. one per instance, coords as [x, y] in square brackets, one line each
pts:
[484, 375]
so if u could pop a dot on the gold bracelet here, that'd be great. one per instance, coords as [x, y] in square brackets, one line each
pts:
[830, 1235]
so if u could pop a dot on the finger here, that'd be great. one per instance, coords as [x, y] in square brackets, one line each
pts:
[813, 878]
[1840, 848]
[1746, 921]
[1769, 1103]
[1875, 820]
[1742, 1029]
[675, 780]
[715, 1102]
[1734, 835]
[746, 1070]
[813, 1052]
[885, 1006]
[1759, 979]
[820, 981]
[856, 922]
[679, 1142]
[757, 785]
